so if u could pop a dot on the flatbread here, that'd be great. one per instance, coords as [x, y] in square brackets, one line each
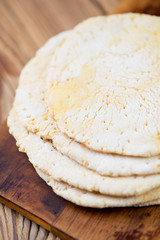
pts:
[43, 155]
[86, 199]
[68, 178]
[29, 143]
[32, 109]
[103, 84]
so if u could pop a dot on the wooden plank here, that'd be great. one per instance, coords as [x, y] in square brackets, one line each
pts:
[143, 6]
[14, 226]
[23, 190]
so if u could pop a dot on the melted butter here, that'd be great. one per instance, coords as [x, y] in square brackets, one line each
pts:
[73, 93]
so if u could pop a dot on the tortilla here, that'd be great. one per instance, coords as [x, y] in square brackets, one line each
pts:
[32, 109]
[86, 199]
[49, 149]
[103, 84]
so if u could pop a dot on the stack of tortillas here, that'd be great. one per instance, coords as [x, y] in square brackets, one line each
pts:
[87, 112]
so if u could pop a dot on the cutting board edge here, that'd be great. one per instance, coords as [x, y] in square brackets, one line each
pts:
[34, 218]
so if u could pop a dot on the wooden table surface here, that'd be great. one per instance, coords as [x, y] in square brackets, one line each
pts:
[25, 25]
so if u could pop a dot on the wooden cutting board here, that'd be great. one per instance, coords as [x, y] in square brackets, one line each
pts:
[23, 190]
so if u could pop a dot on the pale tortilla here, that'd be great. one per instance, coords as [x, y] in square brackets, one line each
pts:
[61, 168]
[104, 84]
[32, 109]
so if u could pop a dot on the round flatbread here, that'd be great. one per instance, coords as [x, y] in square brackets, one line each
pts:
[103, 84]
[32, 109]
[67, 178]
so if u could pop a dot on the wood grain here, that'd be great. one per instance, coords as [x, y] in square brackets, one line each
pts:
[16, 226]
[140, 6]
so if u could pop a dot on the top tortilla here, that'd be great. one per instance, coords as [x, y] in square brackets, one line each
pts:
[103, 84]
[32, 110]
